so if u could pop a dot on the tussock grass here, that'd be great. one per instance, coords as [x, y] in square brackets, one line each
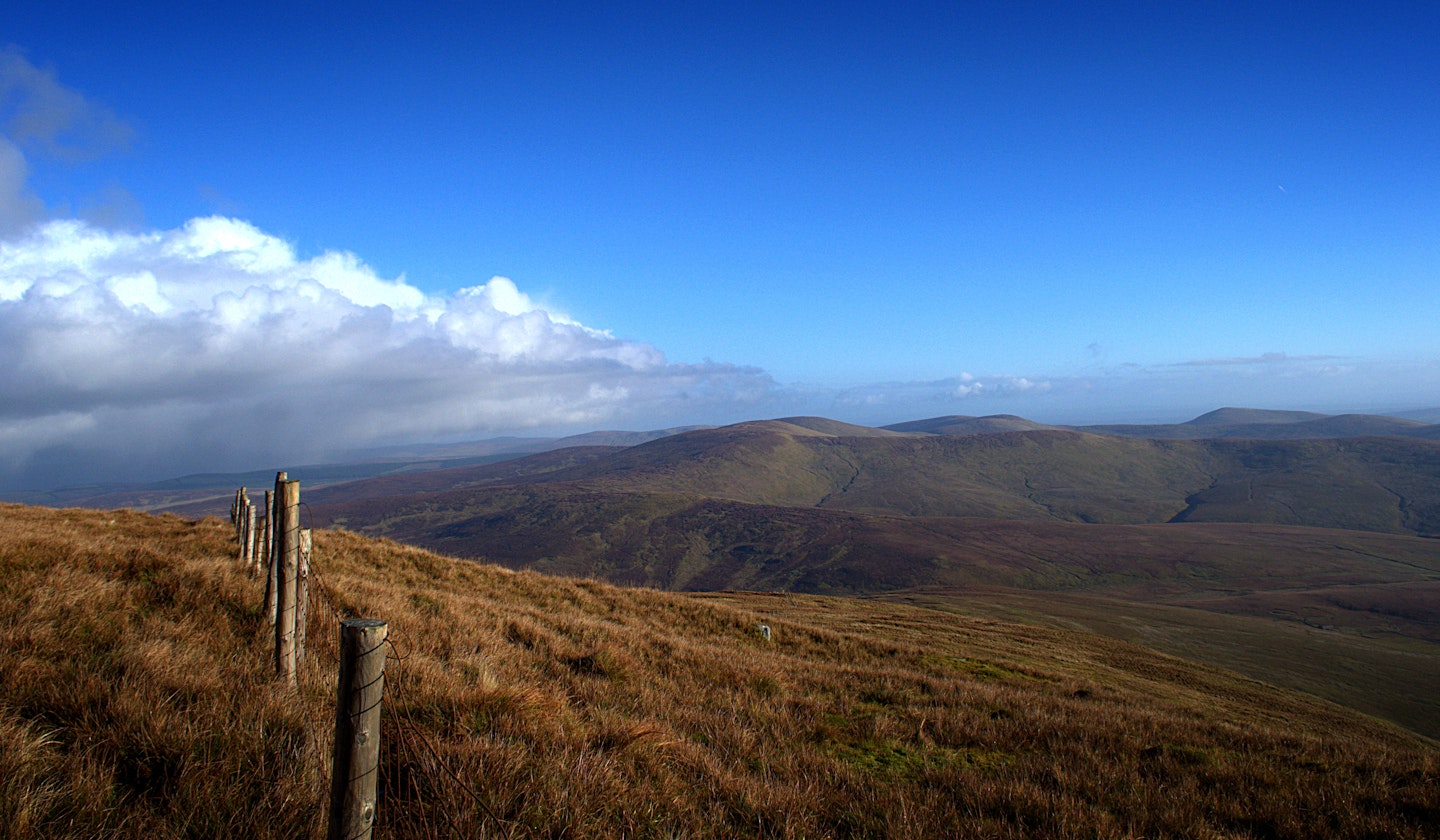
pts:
[136, 699]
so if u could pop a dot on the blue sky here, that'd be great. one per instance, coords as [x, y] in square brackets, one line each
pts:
[1074, 212]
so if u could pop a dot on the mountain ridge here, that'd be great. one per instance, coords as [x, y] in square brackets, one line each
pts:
[189, 492]
[1378, 484]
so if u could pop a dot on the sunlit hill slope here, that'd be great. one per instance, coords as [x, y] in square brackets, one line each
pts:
[136, 699]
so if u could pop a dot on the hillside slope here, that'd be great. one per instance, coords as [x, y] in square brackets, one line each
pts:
[1278, 602]
[695, 543]
[135, 701]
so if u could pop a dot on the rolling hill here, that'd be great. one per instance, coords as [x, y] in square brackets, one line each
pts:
[207, 492]
[1388, 485]
[958, 424]
[1241, 532]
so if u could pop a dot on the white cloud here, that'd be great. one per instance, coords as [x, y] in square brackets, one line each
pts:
[215, 345]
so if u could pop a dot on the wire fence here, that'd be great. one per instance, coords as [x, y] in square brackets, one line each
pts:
[418, 787]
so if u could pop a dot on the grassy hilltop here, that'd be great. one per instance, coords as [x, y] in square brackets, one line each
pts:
[136, 700]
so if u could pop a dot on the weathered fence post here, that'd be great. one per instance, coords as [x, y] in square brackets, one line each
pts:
[247, 538]
[267, 529]
[237, 513]
[272, 503]
[287, 566]
[302, 593]
[262, 535]
[357, 728]
[255, 540]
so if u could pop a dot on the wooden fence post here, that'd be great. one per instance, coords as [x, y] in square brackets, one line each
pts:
[238, 520]
[272, 503]
[287, 567]
[355, 769]
[247, 538]
[266, 530]
[237, 513]
[254, 543]
[262, 532]
[302, 593]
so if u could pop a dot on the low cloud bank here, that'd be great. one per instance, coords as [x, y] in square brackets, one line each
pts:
[215, 346]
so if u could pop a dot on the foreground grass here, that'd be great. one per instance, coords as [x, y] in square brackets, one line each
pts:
[136, 700]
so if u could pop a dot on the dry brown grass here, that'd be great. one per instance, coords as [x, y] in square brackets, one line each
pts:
[136, 699]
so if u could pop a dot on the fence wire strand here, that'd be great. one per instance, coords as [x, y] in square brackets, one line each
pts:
[429, 772]
[410, 730]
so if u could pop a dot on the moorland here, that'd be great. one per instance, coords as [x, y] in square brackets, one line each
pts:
[982, 626]
[1293, 547]
[137, 699]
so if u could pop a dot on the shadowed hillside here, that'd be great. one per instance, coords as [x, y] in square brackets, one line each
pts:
[136, 700]
[684, 542]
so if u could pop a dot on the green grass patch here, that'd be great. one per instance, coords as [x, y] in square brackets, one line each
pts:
[891, 759]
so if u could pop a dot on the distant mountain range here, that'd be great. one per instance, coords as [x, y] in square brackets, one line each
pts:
[204, 493]
[1224, 423]
[506, 446]
[1375, 484]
